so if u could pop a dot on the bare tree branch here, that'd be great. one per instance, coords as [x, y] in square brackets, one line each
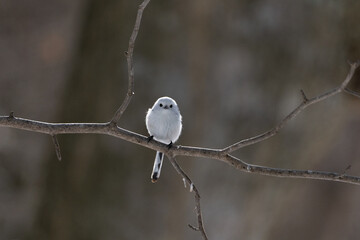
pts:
[57, 146]
[129, 58]
[351, 92]
[306, 102]
[218, 154]
[111, 128]
[193, 188]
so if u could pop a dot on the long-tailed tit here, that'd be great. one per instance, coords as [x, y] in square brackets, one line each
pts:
[163, 122]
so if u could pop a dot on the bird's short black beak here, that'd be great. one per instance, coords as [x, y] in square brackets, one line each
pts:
[166, 107]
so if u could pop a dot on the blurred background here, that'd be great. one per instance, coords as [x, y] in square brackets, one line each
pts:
[235, 69]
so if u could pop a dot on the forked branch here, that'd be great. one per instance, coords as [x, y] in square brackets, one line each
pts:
[192, 188]
[304, 104]
[111, 128]
[129, 58]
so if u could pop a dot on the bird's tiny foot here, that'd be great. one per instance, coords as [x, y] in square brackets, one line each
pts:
[150, 138]
[170, 145]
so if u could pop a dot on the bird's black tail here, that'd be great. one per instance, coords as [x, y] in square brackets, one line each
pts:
[157, 166]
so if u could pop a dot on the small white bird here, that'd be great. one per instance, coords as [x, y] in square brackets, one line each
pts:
[163, 122]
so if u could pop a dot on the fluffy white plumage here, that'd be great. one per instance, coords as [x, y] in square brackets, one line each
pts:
[163, 122]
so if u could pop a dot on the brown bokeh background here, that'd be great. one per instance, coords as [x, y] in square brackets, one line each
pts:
[235, 69]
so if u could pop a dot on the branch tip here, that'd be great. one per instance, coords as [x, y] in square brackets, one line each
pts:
[348, 167]
[193, 228]
[57, 147]
[129, 58]
[351, 92]
[304, 96]
[186, 178]
[354, 64]
[344, 172]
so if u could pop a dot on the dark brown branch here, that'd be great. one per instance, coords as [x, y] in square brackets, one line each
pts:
[112, 130]
[193, 188]
[57, 146]
[307, 102]
[129, 58]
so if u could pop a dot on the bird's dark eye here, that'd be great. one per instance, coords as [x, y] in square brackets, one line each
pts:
[161, 105]
[170, 105]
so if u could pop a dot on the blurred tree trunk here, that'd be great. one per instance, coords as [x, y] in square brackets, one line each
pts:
[74, 187]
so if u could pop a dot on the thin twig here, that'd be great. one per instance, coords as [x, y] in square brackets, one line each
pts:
[57, 146]
[305, 99]
[292, 173]
[200, 226]
[294, 113]
[129, 58]
[351, 92]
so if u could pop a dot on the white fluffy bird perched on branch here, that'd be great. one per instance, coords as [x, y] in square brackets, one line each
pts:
[163, 122]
